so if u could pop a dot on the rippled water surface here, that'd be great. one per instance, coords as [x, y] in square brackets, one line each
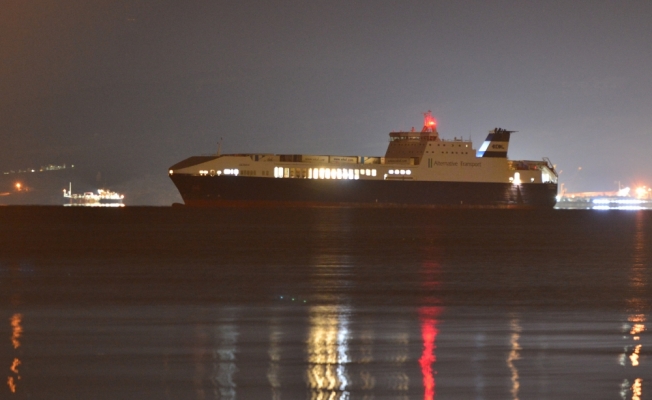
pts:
[176, 303]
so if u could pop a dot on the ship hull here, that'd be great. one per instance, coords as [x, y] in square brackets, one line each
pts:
[83, 201]
[222, 191]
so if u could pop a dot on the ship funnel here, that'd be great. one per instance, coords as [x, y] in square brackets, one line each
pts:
[496, 144]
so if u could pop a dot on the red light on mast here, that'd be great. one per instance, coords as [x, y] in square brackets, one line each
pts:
[429, 123]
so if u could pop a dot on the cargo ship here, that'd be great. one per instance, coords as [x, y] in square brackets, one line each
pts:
[419, 169]
[103, 198]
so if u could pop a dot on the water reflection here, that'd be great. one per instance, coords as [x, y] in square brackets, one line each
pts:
[224, 358]
[328, 352]
[428, 316]
[637, 307]
[429, 331]
[274, 353]
[514, 355]
[327, 344]
[398, 380]
[366, 338]
[16, 329]
[16, 333]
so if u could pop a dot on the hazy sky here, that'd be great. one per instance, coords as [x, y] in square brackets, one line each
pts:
[131, 87]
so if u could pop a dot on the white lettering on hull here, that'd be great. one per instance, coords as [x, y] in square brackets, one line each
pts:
[455, 164]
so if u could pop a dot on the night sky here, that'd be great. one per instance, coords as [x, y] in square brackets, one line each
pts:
[128, 88]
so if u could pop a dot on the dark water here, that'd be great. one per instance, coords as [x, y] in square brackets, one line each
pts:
[173, 303]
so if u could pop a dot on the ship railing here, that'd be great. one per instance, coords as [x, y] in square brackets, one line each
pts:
[549, 164]
[522, 165]
[326, 159]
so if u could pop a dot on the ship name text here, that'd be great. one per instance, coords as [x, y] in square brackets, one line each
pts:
[456, 164]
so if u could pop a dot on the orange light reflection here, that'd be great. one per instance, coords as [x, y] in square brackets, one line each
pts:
[14, 366]
[17, 330]
[16, 333]
[12, 385]
[637, 389]
[513, 356]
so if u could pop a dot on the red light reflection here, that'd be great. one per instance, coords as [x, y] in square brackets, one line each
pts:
[429, 331]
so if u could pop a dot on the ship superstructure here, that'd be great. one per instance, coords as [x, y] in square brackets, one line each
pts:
[418, 169]
[103, 198]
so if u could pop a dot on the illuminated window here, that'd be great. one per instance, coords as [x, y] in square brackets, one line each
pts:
[373, 172]
[408, 172]
[212, 173]
[350, 174]
[391, 172]
[322, 173]
[339, 173]
[402, 172]
[545, 178]
[333, 173]
[368, 172]
[303, 173]
[286, 172]
[356, 174]
[309, 173]
[327, 175]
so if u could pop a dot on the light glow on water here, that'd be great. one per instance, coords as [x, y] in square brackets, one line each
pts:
[274, 352]
[637, 389]
[16, 333]
[634, 356]
[514, 355]
[325, 303]
[224, 359]
[16, 329]
[638, 288]
[327, 350]
[429, 331]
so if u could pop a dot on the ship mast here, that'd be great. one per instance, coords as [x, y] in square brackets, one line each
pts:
[429, 123]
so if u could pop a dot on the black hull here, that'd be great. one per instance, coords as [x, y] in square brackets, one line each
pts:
[111, 201]
[243, 191]
[83, 201]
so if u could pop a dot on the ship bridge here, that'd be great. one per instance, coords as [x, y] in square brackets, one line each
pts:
[411, 147]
